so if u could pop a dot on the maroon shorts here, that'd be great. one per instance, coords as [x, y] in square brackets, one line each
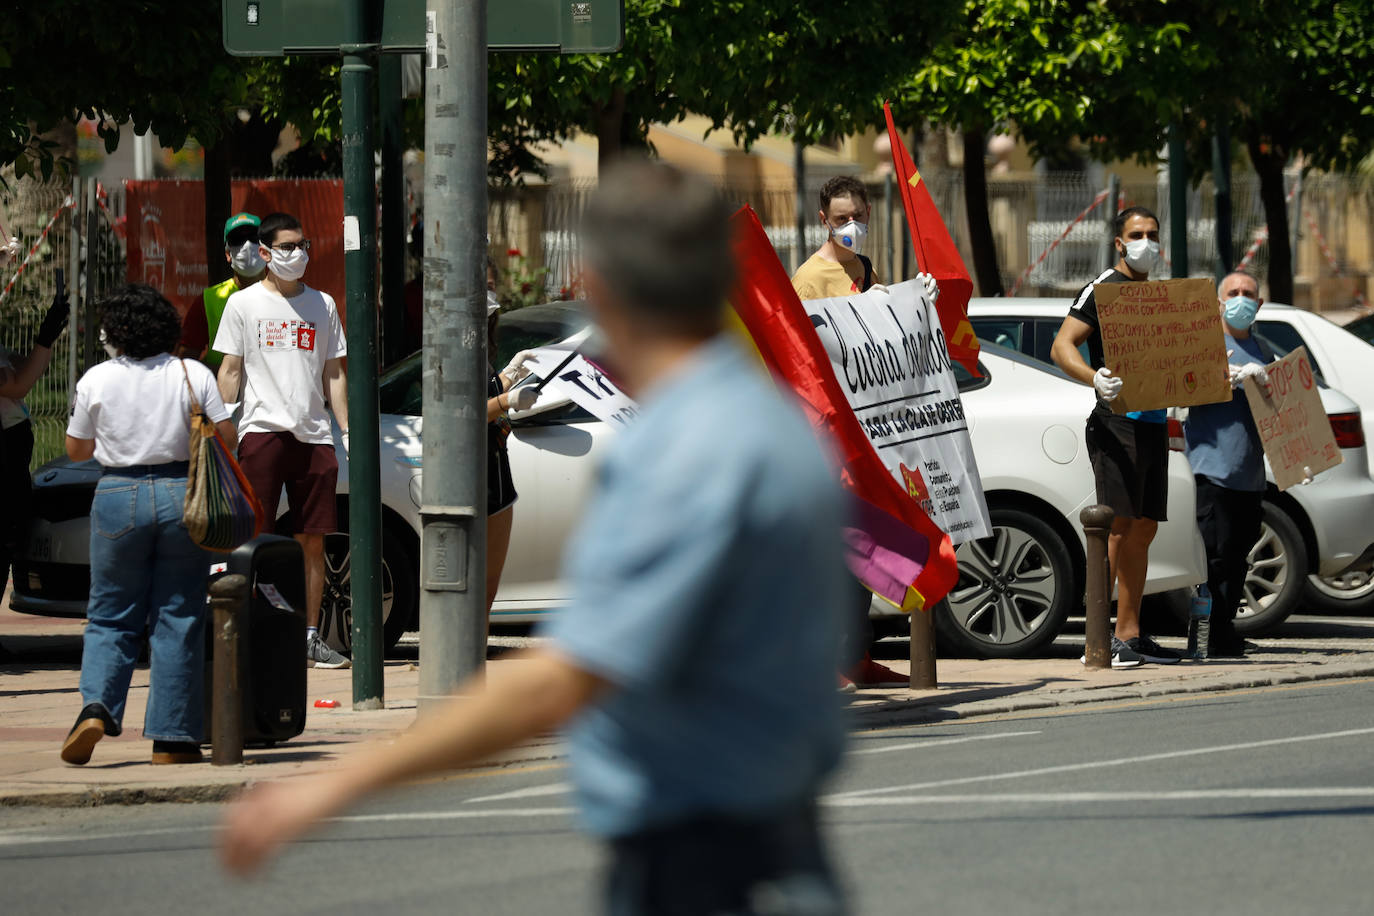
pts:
[309, 473]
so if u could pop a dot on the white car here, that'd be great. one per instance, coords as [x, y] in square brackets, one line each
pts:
[1026, 424]
[1314, 538]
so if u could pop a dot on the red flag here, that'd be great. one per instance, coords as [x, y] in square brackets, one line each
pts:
[893, 540]
[936, 254]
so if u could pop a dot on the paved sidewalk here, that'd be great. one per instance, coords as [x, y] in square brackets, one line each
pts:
[39, 700]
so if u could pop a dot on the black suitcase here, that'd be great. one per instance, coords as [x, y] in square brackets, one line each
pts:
[272, 655]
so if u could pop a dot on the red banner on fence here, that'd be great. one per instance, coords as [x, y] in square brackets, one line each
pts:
[166, 231]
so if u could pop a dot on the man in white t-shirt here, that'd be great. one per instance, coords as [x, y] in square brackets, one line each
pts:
[283, 345]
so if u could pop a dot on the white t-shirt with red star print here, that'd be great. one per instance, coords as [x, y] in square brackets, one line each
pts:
[284, 344]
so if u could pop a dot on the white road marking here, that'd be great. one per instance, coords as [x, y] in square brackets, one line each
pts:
[31, 839]
[917, 745]
[553, 788]
[1067, 798]
[1102, 764]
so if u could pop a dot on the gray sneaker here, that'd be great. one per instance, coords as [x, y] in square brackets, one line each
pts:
[319, 655]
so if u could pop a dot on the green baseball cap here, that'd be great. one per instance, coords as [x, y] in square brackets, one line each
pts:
[240, 219]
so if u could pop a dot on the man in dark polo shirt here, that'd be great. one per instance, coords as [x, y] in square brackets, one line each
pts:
[1130, 453]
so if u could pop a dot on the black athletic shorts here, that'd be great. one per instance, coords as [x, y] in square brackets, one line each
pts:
[1130, 464]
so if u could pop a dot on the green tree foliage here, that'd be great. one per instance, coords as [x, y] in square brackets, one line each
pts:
[811, 68]
[156, 64]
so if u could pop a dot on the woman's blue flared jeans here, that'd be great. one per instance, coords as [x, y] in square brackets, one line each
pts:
[147, 582]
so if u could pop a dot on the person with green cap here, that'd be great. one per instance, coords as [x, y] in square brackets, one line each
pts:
[241, 251]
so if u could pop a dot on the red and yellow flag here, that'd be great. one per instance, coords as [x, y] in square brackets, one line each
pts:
[936, 253]
[895, 549]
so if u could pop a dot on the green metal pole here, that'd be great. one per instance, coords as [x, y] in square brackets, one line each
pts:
[390, 106]
[1221, 176]
[1178, 201]
[453, 496]
[360, 272]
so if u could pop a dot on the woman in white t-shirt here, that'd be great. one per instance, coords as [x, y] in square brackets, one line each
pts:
[147, 576]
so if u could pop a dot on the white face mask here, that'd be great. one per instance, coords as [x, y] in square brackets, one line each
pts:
[850, 236]
[1142, 254]
[248, 261]
[109, 347]
[289, 267]
[493, 304]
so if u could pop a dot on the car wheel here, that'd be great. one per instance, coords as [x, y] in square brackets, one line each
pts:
[1014, 592]
[1275, 576]
[400, 589]
[1348, 593]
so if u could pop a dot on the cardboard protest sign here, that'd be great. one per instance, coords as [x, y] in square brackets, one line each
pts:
[891, 360]
[1292, 422]
[585, 385]
[1164, 339]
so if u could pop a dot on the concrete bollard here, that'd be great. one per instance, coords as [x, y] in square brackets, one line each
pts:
[923, 650]
[227, 601]
[1097, 525]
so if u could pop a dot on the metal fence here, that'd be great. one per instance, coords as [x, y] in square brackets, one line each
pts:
[71, 229]
[1050, 237]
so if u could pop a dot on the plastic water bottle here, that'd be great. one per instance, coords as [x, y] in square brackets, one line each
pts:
[1199, 622]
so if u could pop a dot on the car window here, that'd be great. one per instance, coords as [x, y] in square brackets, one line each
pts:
[1005, 332]
[1363, 328]
[1283, 338]
[402, 385]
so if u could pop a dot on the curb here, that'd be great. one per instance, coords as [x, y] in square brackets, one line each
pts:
[923, 710]
[894, 712]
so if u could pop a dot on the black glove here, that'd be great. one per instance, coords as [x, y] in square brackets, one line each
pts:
[53, 322]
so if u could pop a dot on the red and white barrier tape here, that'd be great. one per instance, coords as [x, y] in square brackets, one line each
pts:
[1101, 196]
[1331, 258]
[66, 204]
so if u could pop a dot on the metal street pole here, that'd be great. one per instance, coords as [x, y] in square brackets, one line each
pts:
[390, 108]
[360, 273]
[1178, 201]
[1221, 177]
[1109, 217]
[799, 253]
[453, 622]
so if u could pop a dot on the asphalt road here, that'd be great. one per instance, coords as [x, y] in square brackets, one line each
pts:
[1250, 803]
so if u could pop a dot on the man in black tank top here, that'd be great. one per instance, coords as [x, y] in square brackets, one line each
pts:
[1130, 453]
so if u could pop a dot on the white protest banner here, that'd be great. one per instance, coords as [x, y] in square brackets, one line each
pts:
[891, 360]
[1292, 422]
[582, 383]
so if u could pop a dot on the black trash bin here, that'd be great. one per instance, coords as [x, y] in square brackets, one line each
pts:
[272, 634]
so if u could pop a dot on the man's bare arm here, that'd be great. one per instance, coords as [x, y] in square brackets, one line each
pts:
[1065, 353]
[230, 378]
[524, 697]
[336, 384]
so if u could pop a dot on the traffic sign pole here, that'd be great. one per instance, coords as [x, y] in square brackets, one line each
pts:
[453, 612]
[360, 272]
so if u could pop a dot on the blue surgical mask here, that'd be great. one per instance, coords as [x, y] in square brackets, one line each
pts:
[1240, 311]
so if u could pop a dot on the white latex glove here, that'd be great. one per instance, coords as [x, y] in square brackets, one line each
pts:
[522, 398]
[931, 287]
[516, 370]
[10, 251]
[1108, 386]
[1250, 370]
[343, 438]
[1306, 475]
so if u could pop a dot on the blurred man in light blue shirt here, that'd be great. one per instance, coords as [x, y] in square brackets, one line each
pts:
[696, 660]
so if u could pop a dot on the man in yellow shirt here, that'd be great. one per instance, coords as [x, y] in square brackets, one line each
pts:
[839, 266]
[241, 251]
